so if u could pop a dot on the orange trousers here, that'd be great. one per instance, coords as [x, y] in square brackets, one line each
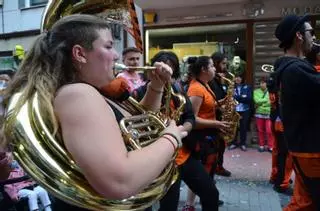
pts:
[281, 162]
[306, 192]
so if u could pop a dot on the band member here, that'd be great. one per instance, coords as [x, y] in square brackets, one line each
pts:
[299, 87]
[204, 105]
[67, 71]
[219, 89]
[281, 160]
[191, 170]
[131, 57]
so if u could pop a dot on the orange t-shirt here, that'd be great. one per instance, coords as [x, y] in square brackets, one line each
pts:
[182, 156]
[208, 107]
[183, 152]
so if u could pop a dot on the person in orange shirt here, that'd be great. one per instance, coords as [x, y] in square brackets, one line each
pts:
[191, 170]
[206, 129]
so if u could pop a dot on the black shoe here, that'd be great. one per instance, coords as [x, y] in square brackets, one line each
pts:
[243, 148]
[232, 146]
[261, 149]
[286, 191]
[220, 203]
[270, 150]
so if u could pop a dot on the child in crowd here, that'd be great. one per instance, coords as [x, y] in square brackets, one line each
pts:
[27, 188]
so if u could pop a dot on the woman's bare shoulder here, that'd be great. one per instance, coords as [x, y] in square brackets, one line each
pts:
[78, 95]
[76, 89]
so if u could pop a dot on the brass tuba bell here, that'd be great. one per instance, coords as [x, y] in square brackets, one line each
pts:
[43, 155]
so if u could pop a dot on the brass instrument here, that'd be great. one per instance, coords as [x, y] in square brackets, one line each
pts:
[229, 113]
[165, 110]
[118, 68]
[43, 155]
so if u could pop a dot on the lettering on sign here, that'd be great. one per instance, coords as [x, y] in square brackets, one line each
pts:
[300, 10]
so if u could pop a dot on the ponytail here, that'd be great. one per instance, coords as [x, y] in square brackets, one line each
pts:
[197, 63]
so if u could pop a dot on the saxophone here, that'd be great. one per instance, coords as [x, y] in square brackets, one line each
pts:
[44, 157]
[228, 108]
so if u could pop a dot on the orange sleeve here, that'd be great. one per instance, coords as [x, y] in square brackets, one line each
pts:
[195, 90]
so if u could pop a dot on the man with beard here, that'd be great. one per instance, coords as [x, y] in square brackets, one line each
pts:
[219, 89]
[299, 92]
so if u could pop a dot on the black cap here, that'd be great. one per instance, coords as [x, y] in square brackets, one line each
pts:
[288, 26]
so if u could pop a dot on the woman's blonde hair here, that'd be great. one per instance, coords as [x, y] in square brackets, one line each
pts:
[48, 64]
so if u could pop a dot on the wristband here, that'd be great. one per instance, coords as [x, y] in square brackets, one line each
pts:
[173, 145]
[173, 136]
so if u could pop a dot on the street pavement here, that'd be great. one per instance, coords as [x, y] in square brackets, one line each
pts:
[248, 188]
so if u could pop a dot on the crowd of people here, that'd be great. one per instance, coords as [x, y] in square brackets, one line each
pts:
[76, 83]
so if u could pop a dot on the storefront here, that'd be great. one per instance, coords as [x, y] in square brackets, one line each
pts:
[240, 30]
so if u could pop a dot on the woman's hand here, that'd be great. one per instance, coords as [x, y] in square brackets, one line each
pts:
[178, 132]
[160, 76]
[223, 125]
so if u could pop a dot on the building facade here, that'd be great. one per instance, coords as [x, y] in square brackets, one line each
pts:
[238, 28]
[20, 23]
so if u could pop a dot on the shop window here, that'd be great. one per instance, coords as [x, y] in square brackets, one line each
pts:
[31, 3]
[229, 39]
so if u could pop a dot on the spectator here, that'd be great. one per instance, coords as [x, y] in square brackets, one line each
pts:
[243, 94]
[262, 105]
[28, 188]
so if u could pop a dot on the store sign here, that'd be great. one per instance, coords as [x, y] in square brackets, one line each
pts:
[300, 10]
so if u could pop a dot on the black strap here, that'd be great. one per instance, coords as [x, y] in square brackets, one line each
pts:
[209, 90]
[117, 113]
[264, 94]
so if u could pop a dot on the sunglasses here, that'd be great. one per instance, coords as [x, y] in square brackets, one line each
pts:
[312, 32]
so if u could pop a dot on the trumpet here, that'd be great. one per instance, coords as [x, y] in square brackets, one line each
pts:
[118, 68]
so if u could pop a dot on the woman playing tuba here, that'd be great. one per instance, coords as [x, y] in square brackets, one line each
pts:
[66, 134]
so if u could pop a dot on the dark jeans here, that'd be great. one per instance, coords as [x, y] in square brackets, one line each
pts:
[243, 128]
[197, 179]
[221, 149]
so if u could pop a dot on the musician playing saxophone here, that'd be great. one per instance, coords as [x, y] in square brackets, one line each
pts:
[207, 127]
[219, 89]
[67, 66]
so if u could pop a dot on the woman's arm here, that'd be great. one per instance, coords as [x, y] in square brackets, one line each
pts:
[155, 89]
[204, 123]
[92, 135]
